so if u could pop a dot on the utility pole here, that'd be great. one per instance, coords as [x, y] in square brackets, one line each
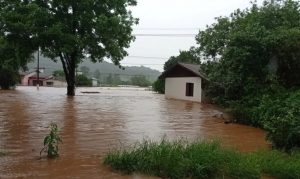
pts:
[38, 70]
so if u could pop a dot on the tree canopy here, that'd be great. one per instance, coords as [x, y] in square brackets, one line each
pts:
[12, 58]
[253, 47]
[70, 31]
[189, 56]
[252, 60]
[140, 80]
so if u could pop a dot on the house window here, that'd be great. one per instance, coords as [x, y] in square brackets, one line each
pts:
[189, 89]
[34, 82]
[49, 83]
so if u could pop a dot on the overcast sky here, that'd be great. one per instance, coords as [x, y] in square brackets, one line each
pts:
[172, 17]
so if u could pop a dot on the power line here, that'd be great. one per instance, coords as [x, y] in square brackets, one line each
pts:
[148, 57]
[165, 35]
[120, 74]
[176, 29]
[140, 64]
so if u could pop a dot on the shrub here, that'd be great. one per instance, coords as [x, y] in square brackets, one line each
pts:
[278, 112]
[180, 159]
[51, 142]
[82, 80]
[281, 118]
[279, 165]
[159, 86]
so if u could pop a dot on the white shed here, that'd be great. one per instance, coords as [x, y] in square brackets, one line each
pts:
[94, 82]
[183, 81]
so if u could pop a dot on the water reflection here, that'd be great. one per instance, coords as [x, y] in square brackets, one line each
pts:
[92, 124]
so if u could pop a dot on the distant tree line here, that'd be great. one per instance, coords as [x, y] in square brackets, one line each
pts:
[84, 78]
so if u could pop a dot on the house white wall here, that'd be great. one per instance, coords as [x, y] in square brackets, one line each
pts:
[94, 82]
[175, 88]
[55, 83]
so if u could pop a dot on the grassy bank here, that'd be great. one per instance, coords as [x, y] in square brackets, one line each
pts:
[200, 159]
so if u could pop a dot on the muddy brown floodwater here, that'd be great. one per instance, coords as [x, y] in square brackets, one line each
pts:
[92, 124]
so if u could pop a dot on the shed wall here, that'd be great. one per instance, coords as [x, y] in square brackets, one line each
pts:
[176, 88]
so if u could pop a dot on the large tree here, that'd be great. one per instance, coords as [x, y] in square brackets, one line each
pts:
[70, 31]
[12, 59]
[253, 48]
[253, 67]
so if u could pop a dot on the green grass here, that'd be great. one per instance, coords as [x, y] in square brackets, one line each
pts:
[201, 159]
[280, 165]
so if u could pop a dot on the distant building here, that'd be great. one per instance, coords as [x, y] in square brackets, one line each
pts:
[55, 82]
[94, 82]
[45, 79]
[184, 82]
[29, 78]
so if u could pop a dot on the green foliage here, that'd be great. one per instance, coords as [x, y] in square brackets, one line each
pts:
[59, 73]
[8, 77]
[83, 80]
[279, 165]
[184, 56]
[85, 70]
[180, 159]
[277, 111]
[51, 142]
[140, 80]
[253, 67]
[200, 159]
[245, 48]
[159, 86]
[70, 30]
[280, 114]
[113, 79]
[12, 59]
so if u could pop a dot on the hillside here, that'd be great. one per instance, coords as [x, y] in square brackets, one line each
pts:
[104, 68]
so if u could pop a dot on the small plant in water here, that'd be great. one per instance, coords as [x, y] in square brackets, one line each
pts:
[51, 142]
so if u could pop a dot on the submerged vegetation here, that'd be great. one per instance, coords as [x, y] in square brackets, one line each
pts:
[180, 159]
[159, 86]
[277, 111]
[51, 142]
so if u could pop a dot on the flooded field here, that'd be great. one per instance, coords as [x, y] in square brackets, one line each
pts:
[92, 124]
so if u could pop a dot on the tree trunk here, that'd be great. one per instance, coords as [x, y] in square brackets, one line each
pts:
[69, 65]
[4, 87]
[6, 79]
[71, 77]
[71, 90]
